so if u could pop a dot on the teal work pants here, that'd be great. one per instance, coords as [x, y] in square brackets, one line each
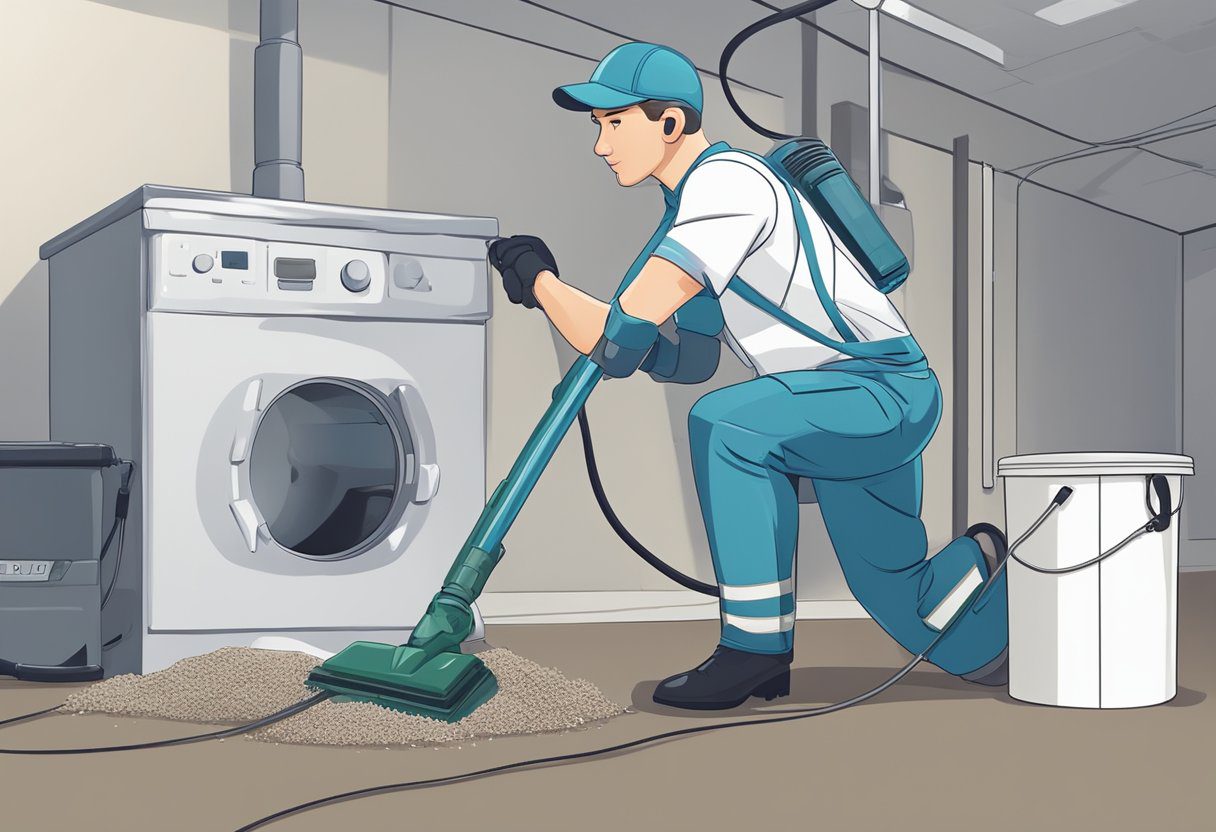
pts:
[859, 437]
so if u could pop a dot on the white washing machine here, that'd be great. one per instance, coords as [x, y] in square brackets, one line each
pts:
[302, 387]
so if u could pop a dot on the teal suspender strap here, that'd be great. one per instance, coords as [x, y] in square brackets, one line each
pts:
[893, 352]
[762, 303]
[812, 262]
[903, 353]
[808, 248]
[671, 200]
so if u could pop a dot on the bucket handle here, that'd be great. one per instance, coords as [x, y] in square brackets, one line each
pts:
[1161, 517]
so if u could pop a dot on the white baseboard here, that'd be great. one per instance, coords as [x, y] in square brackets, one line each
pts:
[641, 605]
[834, 608]
[1197, 555]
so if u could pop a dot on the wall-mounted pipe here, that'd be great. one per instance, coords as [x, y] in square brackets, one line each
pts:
[961, 388]
[987, 343]
[875, 110]
[278, 103]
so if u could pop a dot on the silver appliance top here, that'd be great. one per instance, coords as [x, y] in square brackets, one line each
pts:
[283, 213]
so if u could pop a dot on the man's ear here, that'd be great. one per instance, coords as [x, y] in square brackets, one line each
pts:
[673, 124]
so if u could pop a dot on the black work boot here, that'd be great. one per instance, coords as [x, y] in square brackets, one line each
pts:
[726, 679]
[995, 549]
[993, 674]
[992, 543]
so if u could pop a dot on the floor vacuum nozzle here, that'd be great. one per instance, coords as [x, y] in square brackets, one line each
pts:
[447, 686]
[429, 675]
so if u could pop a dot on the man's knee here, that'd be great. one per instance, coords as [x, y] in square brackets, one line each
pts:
[733, 421]
[706, 412]
[710, 426]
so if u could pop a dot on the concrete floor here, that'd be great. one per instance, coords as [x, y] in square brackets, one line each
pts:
[933, 753]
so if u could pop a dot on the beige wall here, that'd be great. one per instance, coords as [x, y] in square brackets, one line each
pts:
[400, 110]
[78, 133]
[103, 97]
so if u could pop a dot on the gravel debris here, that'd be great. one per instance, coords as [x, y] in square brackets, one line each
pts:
[242, 684]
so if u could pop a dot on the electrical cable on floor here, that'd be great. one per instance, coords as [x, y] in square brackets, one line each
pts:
[784, 716]
[277, 716]
[14, 719]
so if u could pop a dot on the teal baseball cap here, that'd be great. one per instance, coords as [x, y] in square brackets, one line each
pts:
[635, 72]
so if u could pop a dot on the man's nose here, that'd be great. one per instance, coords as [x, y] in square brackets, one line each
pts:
[602, 148]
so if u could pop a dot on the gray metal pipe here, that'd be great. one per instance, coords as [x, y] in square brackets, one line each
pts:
[278, 103]
[875, 184]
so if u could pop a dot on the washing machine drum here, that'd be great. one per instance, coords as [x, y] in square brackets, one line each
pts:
[328, 467]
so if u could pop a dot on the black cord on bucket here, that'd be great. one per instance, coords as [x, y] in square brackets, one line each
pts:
[1159, 523]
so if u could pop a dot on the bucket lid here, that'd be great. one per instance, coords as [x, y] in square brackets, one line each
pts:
[56, 455]
[1094, 464]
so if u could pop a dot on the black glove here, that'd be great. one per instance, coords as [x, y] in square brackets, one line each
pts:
[520, 259]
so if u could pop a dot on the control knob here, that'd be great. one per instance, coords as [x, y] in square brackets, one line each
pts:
[356, 276]
[409, 275]
[203, 263]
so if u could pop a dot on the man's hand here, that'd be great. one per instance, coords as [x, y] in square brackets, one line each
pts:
[519, 260]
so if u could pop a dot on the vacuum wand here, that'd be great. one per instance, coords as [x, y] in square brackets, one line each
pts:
[449, 619]
[429, 675]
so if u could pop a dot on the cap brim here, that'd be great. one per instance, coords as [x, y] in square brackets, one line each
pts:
[593, 96]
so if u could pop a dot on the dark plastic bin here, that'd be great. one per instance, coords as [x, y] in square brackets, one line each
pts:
[58, 505]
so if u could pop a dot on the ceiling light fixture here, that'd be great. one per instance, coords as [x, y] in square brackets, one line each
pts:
[934, 25]
[1071, 11]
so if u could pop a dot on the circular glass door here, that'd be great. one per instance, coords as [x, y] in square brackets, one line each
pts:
[327, 467]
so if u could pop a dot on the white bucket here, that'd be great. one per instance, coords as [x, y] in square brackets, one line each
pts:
[1104, 636]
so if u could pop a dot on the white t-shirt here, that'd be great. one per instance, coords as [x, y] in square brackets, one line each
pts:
[735, 218]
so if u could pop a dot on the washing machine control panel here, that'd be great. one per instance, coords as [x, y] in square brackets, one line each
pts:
[193, 267]
[193, 272]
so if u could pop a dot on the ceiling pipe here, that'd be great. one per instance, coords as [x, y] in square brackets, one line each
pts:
[278, 105]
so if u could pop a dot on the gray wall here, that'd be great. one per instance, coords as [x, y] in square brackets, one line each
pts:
[410, 111]
[1099, 329]
[1199, 396]
[988, 504]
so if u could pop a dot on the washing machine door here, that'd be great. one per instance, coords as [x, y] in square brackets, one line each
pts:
[327, 468]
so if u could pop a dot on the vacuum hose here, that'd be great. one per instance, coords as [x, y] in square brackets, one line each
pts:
[593, 474]
[597, 487]
[737, 41]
